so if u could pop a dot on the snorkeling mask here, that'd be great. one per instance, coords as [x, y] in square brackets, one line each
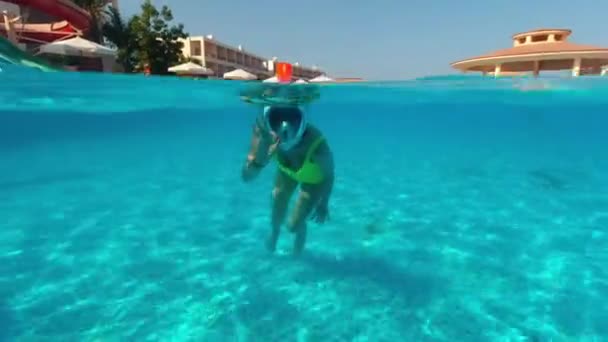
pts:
[287, 122]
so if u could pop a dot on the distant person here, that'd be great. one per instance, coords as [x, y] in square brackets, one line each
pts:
[147, 69]
[303, 157]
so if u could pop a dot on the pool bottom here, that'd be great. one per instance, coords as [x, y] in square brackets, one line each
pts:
[150, 238]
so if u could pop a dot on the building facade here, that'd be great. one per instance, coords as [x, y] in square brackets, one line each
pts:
[547, 49]
[222, 58]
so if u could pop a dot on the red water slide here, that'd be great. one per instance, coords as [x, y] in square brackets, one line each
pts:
[62, 9]
[70, 20]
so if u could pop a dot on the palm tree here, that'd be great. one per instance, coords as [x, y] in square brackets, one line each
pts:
[115, 29]
[118, 33]
[96, 9]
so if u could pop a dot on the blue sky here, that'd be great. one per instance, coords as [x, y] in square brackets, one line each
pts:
[382, 39]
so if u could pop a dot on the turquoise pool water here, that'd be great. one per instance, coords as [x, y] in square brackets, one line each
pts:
[465, 209]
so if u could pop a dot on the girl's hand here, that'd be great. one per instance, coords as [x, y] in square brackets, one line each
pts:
[273, 146]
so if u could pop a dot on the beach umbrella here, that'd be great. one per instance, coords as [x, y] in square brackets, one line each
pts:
[321, 78]
[272, 79]
[190, 68]
[239, 74]
[77, 46]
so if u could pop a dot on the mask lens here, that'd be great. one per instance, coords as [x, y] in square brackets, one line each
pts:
[286, 131]
[284, 118]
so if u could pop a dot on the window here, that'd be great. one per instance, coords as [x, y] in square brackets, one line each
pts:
[540, 38]
[210, 50]
[195, 48]
[558, 37]
[221, 53]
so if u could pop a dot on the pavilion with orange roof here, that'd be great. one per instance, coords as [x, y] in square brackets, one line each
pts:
[543, 49]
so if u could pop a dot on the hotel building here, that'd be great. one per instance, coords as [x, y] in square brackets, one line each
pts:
[222, 58]
[539, 50]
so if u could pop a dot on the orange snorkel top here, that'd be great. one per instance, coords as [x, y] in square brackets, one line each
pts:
[284, 72]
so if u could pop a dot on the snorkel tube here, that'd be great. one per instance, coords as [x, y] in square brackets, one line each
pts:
[284, 72]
